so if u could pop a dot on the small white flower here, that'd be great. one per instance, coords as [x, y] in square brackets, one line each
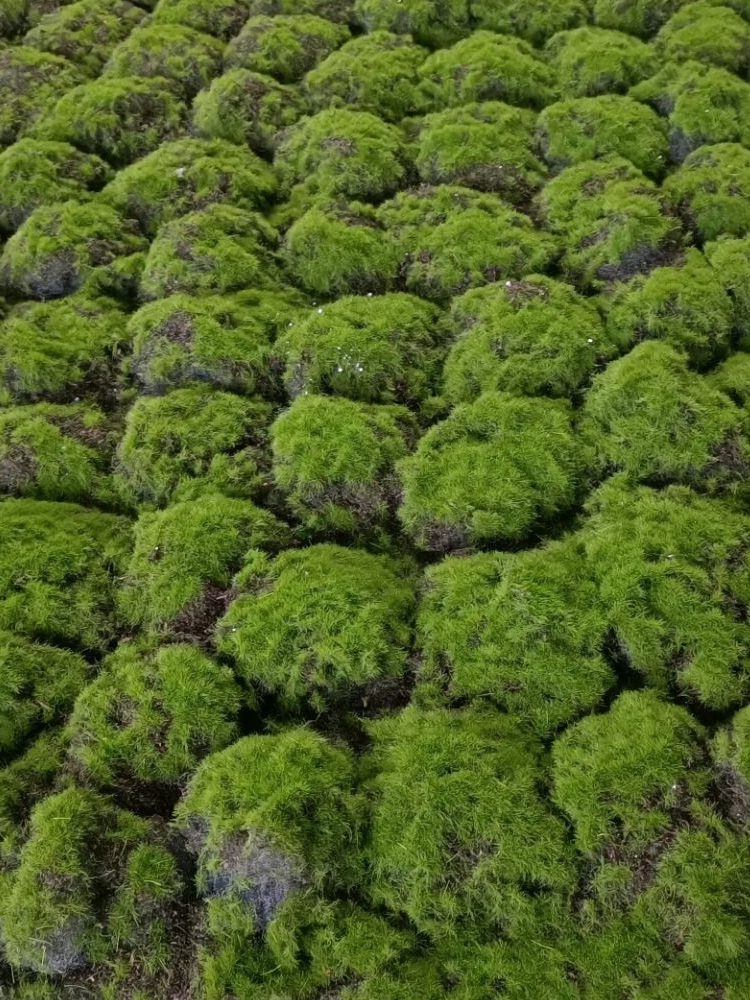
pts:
[369, 295]
[591, 340]
[508, 284]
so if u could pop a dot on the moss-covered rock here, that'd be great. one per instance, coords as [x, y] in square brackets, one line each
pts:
[708, 33]
[371, 348]
[433, 24]
[188, 175]
[376, 73]
[58, 247]
[30, 84]
[712, 190]
[338, 11]
[120, 120]
[85, 32]
[491, 472]
[34, 173]
[334, 459]
[536, 336]
[60, 350]
[185, 57]
[586, 128]
[193, 440]
[486, 146]
[178, 580]
[590, 61]
[733, 378]
[426, 226]
[221, 18]
[152, 716]
[649, 416]
[687, 306]
[218, 249]
[487, 67]
[224, 340]
[533, 20]
[642, 18]
[12, 18]
[673, 572]
[284, 46]
[730, 259]
[525, 631]
[61, 588]
[460, 833]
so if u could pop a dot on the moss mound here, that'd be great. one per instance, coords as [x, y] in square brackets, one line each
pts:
[30, 84]
[187, 58]
[709, 189]
[590, 61]
[284, 46]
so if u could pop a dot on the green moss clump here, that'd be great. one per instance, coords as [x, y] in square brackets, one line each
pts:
[185, 57]
[712, 190]
[27, 779]
[120, 120]
[706, 33]
[733, 378]
[152, 716]
[673, 572]
[193, 440]
[642, 18]
[586, 128]
[284, 46]
[591, 61]
[334, 459]
[686, 306]
[525, 631]
[374, 349]
[627, 776]
[611, 221]
[731, 755]
[59, 350]
[321, 625]
[30, 84]
[339, 249]
[187, 175]
[375, 72]
[428, 224]
[434, 24]
[58, 247]
[649, 416]
[536, 336]
[486, 146]
[460, 834]
[61, 588]
[533, 20]
[490, 472]
[178, 579]
[85, 32]
[730, 259]
[222, 18]
[218, 249]
[12, 18]
[224, 340]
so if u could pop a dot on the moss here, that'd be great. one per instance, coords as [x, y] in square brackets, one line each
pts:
[190, 439]
[459, 831]
[59, 350]
[642, 18]
[673, 572]
[374, 349]
[321, 625]
[490, 472]
[707, 33]
[339, 249]
[188, 175]
[712, 190]
[435, 25]
[535, 966]
[587, 128]
[733, 378]
[611, 221]
[536, 336]
[342, 153]
[533, 20]
[624, 777]
[58, 247]
[218, 249]
[221, 18]
[30, 84]
[730, 751]
[730, 259]
[426, 226]
[120, 120]
[375, 73]
[487, 67]
[334, 459]
[185, 57]
[590, 61]
[184, 559]
[12, 18]
[28, 779]
[223, 340]
[486, 146]
[525, 631]
[85, 32]
[284, 46]
[338, 11]
[686, 306]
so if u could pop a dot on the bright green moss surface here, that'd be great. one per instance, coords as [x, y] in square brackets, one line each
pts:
[30, 84]
[284, 46]
[707, 33]
[185, 57]
[321, 625]
[533, 20]
[636, 17]
[733, 378]
[591, 61]
[221, 18]
[711, 190]
[730, 259]
[30, 776]
[434, 24]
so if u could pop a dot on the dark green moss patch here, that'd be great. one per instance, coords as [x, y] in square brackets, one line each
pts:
[30, 84]
[185, 57]
[591, 61]
[712, 190]
[284, 46]
[706, 33]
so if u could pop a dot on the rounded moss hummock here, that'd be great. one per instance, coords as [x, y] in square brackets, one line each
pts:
[730, 259]
[284, 46]
[370, 348]
[642, 18]
[321, 626]
[536, 336]
[590, 61]
[733, 377]
[185, 57]
[151, 716]
[731, 756]
[221, 18]
[533, 20]
[30, 84]
[525, 631]
[712, 190]
[491, 472]
[706, 33]
[434, 24]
